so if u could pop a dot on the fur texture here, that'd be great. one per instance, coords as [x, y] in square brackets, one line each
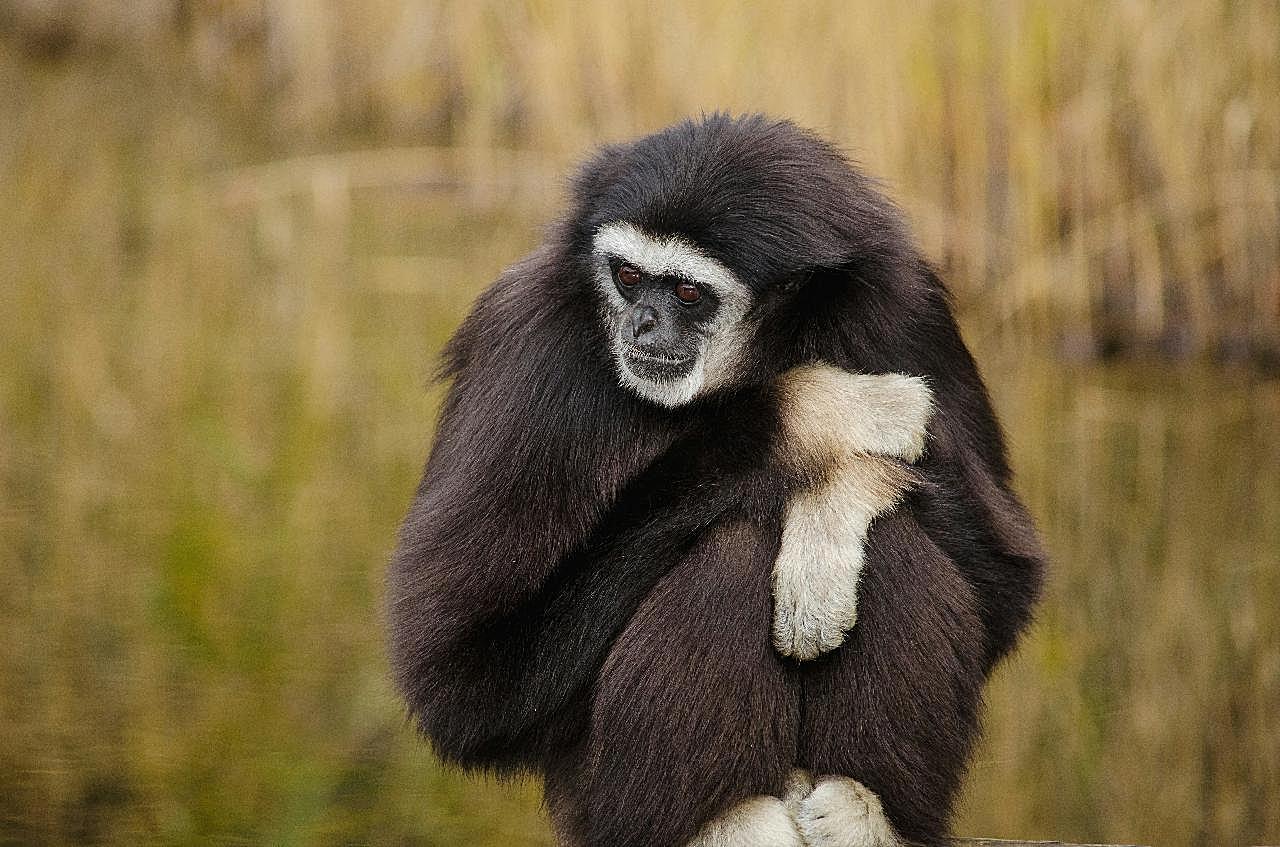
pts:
[583, 584]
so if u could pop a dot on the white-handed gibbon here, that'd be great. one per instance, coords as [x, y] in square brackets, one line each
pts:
[716, 534]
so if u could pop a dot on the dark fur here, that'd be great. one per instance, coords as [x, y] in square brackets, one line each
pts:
[582, 587]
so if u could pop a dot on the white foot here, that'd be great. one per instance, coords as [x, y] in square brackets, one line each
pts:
[842, 812]
[755, 822]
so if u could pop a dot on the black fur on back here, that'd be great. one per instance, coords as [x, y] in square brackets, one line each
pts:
[582, 584]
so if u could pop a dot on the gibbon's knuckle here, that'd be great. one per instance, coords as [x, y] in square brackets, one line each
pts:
[783, 638]
[805, 636]
[783, 624]
[918, 419]
[828, 642]
[784, 634]
[784, 611]
[794, 646]
[831, 639]
[829, 414]
[901, 421]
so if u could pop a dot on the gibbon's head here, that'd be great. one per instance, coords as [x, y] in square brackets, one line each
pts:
[695, 235]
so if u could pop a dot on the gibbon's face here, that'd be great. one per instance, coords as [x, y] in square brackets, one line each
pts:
[676, 317]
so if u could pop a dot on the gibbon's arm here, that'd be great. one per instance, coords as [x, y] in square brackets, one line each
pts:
[850, 433]
[500, 694]
[964, 501]
[534, 441]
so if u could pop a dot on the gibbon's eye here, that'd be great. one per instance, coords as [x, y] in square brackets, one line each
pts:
[688, 293]
[628, 275]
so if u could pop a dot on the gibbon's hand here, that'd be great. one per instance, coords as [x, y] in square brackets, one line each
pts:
[851, 433]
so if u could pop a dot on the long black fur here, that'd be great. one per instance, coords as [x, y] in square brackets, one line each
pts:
[582, 587]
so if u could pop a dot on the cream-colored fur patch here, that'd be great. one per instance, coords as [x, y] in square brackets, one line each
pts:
[759, 821]
[844, 425]
[842, 812]
[831, 413]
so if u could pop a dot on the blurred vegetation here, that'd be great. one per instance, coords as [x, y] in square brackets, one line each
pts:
[235, 234]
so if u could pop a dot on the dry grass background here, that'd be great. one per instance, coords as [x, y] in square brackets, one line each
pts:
[235, 233]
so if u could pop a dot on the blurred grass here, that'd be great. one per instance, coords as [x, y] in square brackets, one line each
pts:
[235, 237]
[1104, 173]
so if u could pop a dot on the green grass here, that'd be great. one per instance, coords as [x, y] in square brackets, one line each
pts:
[214, 402]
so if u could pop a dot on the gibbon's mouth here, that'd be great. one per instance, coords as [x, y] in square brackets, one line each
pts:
[655, 358]
[655, 366]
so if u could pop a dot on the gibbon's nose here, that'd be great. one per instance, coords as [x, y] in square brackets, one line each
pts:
[644, 320]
